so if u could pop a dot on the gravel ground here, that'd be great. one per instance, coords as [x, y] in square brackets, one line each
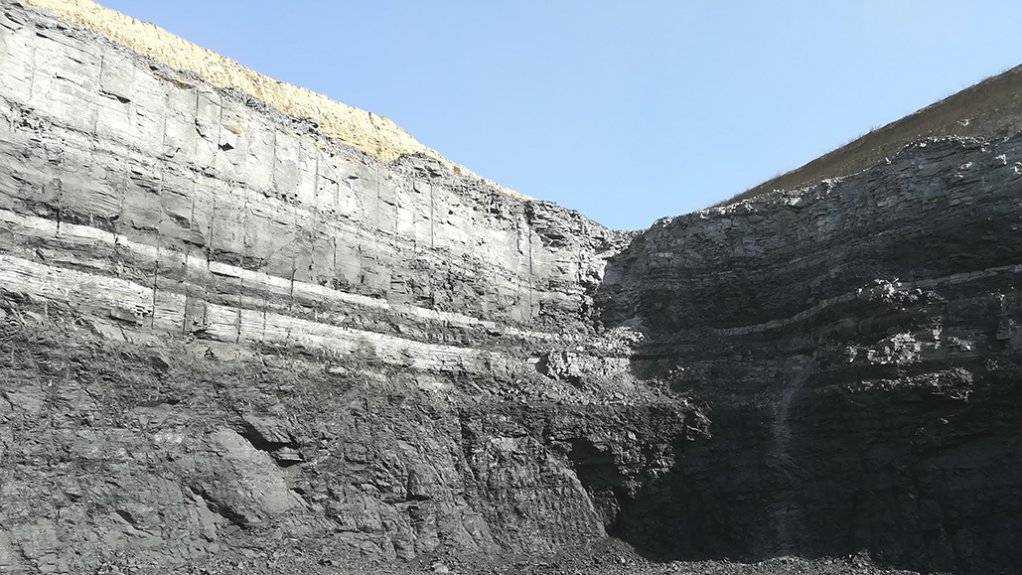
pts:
[608, 557]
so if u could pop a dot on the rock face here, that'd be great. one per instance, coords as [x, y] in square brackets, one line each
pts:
[856, 345]
[222, 326]
[223, 330]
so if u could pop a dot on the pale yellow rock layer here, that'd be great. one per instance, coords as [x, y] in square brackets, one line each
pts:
[369, 132]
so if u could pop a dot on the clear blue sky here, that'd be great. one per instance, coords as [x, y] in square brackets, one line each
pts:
[627, 110]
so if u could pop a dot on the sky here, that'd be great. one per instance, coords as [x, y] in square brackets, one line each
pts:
[627, 110]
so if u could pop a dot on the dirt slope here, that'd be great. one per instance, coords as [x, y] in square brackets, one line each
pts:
[991, 109]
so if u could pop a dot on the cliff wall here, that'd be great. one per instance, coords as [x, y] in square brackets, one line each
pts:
[261, 332]
[220, 215]
[371, 133]
[230, 331]
[855, 344]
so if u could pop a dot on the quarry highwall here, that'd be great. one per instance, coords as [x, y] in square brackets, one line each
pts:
[224, 331]
[857, 349]
[212, 205]
[363, 130]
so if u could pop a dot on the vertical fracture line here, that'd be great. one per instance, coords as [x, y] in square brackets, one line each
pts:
[212, 223]
[432, 244]
[195, 121]
[156, 264]
[315, 184]
[785, 508]
[333, 279]
[99, 87]
[163, 129]
[188, 297]
[219, 128]
[122, 200]
[60, 203]
[291, 292]
[530, 273]
[163, 216]
[273, 165]
[412, 206]
[31, 81]
[187, 271]
[156, 279]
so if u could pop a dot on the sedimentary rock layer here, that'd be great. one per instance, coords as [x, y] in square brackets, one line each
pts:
[226, 331]
[195, 241]
[371, 133]
[856, 345]
[204, 195]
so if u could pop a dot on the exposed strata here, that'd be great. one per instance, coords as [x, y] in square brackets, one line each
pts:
[225, 330]
[857, 345]
[148, 215]
[371, 133]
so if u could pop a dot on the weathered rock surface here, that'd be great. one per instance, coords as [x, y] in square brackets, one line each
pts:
[371, 133]
[223, 326]
[226, 335]
[856, 346]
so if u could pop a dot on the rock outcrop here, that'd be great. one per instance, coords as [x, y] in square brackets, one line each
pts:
[361, 129]
[258, 332]
[225, 329]
[856, 345]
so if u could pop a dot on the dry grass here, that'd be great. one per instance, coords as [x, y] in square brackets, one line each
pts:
[369, 132]
[990, 109]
